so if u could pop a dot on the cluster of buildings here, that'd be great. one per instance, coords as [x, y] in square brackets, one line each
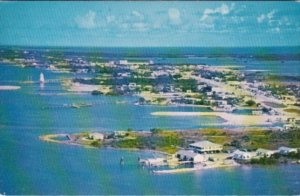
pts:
[259, 153]
[203, 151]
[197, 152]
[221, 88]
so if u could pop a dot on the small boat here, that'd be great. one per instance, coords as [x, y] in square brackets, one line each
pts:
[42, 78]
[122, 162]
[75, 106]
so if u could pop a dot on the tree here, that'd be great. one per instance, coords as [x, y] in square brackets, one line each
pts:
[236, 144]
[250, 103]
[96, 144]
[177, 76]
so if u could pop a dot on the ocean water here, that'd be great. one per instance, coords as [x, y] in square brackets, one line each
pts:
[30, 166]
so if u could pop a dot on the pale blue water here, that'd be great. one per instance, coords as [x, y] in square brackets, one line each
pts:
[30, 166]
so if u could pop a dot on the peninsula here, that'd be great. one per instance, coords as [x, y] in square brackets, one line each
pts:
[191, 150]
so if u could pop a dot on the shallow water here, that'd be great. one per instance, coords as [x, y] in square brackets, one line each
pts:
[30, 166]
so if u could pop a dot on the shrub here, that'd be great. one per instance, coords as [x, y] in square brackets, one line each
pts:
[250, 103]
[96, 144]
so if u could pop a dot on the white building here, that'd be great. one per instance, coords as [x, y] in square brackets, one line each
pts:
[120, 133]
[96, 136]
[206, 147]
[264, 152]
[286, 150]
[189, 155]
[123, 62]
[132, 86]
[241, 155]
[209, 93]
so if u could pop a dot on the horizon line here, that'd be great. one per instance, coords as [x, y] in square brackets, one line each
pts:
[68, 46]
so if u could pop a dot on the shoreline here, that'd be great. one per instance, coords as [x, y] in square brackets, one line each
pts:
[193, 169]
[8, 87]
[49, 138]
[231, 119]
[215, 160]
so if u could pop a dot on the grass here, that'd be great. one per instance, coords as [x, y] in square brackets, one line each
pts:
[219, 139]
[264, 161]
[170, 141]
[292, 110]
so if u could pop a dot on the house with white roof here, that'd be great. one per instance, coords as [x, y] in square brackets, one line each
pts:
[132, 86]
[96, 136]
[189, 155]
[261, 152]
[241, 155]
[206, 147]
[286, 150]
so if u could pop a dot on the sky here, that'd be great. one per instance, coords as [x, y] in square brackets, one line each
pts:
[142, 24]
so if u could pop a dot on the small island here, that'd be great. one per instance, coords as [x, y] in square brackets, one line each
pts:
[191, 150]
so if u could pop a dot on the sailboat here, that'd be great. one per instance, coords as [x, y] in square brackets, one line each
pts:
[42, 78]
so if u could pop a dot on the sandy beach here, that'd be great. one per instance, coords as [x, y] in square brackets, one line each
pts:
[231, 119]
[198, 168]
[9, 87]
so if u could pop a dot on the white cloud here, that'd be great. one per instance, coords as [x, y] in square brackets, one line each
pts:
[237, 19]
[137, 15]
[223, 10]
[276, 30]
[270, 15]
[261, 18]
[87, 21]
[284, 21]
[110, 19]
[140, 26]
[124, 25]
[174, 16]
[273, 22]
[210, 26]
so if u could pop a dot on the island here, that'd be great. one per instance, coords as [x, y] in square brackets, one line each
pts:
[191, 150]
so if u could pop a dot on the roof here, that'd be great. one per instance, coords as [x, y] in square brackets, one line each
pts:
[205, 144]
[238, 152]
[96, 133]
[286, 148]
[187, 153]
[262, 150]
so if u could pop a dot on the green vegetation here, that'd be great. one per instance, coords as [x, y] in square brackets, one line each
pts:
[172, 141]
[275, 158]
[251, 139]
[95, 143]
[292, 110]
[294, 155]
[129, 143]
[264, 161]
[277, 89]
[250, 103]
[187, 84]
[165, 141]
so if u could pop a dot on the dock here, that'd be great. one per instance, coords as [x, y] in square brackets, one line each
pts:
[172, 171]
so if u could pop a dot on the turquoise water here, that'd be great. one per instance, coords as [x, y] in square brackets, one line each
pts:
[30, 166]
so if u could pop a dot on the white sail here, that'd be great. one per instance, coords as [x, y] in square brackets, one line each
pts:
[42, 78]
